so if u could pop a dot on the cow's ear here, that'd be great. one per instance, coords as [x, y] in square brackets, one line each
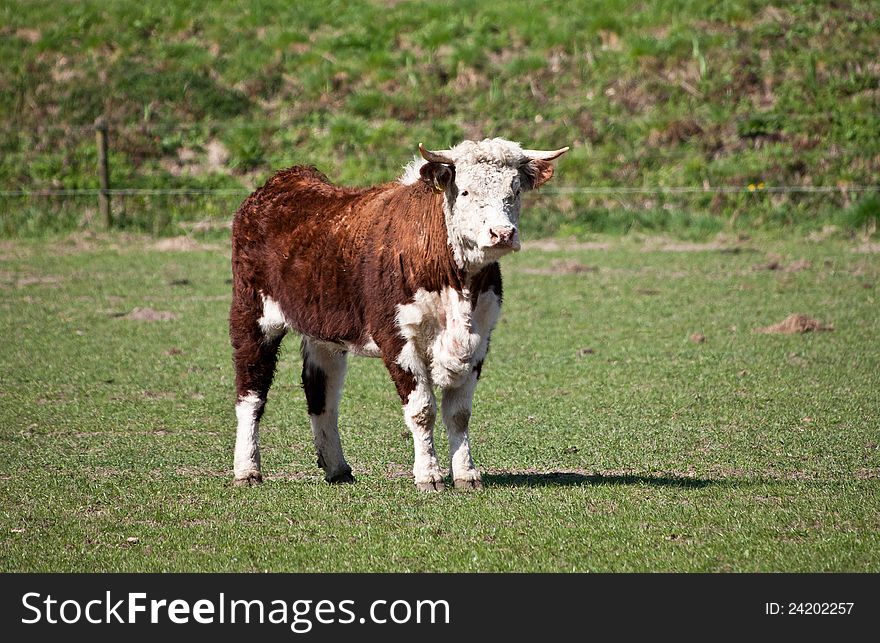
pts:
[438, 175]
[537, 173]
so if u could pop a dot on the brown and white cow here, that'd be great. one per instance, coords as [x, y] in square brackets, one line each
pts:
[406, 271]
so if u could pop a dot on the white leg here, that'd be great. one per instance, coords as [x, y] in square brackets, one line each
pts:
[323, 375]
[457, 403]
[419, 414]
[247, 439]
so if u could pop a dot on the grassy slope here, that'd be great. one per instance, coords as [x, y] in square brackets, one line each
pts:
[658, 93]
[745, 452]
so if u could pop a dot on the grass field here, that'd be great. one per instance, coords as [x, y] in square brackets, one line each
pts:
[611, 439]
[649, 94]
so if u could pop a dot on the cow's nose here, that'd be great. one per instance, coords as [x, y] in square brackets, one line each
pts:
[502, 235]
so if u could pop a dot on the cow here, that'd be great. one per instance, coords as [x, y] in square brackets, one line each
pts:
[405, 271]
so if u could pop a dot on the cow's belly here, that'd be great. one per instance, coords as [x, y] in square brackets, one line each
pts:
[445, 336]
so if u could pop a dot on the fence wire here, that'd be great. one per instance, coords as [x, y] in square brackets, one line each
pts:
[564, 190]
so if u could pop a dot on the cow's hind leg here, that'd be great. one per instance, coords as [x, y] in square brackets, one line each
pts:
[322, 377]
[255, 353]
[457, 403]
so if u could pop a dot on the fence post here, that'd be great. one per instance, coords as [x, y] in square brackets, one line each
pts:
[101, 130]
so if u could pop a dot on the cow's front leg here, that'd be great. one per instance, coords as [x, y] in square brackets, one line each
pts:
[322, 376]
[419, 413]
[457, 403]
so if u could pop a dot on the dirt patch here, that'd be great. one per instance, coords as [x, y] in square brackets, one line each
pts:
[179, 244]
[826, 232]
[562, 267]
[869, 247]
[18, 280]
[721, 244]
[553, 245]
[191, 162]
[795, 323]
[10, 250]
[29, 35]
[85, 241]
[150, 315]
[798, 265]
[698, 338]
[774, 262]
[44, 280]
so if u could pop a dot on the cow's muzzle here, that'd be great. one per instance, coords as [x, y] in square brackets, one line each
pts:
[504, 238]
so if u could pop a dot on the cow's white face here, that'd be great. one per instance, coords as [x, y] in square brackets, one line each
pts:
[482, 212]
[482, 183]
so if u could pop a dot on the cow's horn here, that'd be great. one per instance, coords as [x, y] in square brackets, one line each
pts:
[541, 155]
[435, 157]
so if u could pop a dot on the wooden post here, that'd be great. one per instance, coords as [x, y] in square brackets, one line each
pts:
[103, 172]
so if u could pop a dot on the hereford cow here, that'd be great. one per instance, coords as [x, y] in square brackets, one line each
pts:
[406, 271]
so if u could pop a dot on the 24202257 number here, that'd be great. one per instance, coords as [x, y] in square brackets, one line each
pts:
[808, 608]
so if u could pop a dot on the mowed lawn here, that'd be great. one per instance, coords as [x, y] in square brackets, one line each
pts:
[612, 438]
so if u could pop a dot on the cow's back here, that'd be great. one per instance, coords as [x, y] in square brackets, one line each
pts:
[339, 260]
[286, 245]
[295, 198]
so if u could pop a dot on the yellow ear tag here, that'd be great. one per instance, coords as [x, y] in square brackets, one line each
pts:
[438, 188]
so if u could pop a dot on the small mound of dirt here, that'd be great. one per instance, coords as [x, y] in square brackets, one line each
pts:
[774, 262]
[150, 315]
[796, 323]
[798, 265]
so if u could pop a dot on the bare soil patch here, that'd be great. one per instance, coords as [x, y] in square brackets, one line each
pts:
[180, 244]
[150, 315]
[10, 250]
[733, 245]
[795, 323]
[868, 247]
[552, 245]
[774, 262]
[22, 280]
[562, 267]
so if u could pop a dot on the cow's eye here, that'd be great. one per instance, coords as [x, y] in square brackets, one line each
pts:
[465, 193]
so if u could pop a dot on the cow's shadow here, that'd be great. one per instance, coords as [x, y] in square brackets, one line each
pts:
[577, 479]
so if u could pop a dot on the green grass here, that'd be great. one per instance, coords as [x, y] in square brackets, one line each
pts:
[681, 93]
[747, 452]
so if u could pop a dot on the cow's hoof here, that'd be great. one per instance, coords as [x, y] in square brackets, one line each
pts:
[248, 479]
[431, 485]
[343, 477]
[468, 484]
